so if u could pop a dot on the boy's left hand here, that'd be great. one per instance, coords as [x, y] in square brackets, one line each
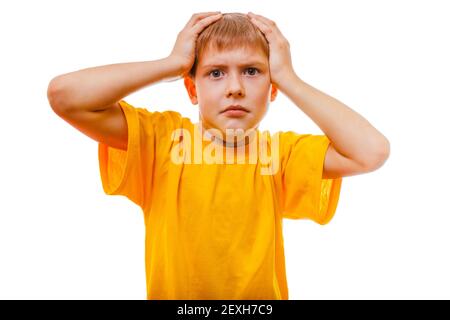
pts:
[280, 54]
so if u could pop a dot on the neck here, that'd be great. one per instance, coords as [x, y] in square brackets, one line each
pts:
[235, 140]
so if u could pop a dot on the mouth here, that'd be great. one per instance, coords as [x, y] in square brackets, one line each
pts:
[235, 111]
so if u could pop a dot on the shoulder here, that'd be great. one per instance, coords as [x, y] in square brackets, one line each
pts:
[288, 140]
[160, 123]
[148, 117]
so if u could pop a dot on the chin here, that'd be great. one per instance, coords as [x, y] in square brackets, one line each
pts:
[237, 128]
[231, 124]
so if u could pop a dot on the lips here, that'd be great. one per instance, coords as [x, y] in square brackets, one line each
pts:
[235, 107]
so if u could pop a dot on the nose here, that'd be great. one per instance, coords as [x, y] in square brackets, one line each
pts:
[235, 86]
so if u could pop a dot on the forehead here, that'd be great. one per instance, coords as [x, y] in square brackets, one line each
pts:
[244, 56]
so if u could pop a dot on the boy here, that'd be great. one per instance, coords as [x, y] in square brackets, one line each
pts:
[214, 217]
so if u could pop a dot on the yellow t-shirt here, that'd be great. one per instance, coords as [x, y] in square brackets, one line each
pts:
[214, 231]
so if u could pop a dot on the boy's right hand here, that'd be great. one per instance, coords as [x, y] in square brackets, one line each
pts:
[183, 53]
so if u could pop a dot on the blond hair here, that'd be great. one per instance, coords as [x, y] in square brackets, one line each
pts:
[232, 31]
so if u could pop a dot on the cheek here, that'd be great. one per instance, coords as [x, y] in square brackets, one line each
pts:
[210, 100]
[209, 92]
[263, 97]
[207, 109]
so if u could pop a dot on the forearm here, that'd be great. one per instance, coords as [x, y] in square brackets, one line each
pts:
[351, 134]
[98, 87]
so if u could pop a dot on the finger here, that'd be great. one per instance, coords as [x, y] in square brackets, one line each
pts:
[202, 24]
[262, 18]
[199, 16]
[267, 30]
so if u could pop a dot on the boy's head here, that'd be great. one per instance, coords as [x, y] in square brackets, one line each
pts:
[231, 68]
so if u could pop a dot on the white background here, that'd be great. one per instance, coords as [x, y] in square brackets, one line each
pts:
[61, 237]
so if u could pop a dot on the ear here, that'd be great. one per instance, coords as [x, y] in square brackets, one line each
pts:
[274, 92]
[190, 87]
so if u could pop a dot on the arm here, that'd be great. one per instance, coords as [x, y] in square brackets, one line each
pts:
[94, 89]
[88, 99]
[356, 146]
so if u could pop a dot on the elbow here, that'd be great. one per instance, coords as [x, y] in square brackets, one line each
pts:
[54, 95]
[380, 155]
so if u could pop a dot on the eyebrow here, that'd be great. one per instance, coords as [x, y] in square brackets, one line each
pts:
[249, 64]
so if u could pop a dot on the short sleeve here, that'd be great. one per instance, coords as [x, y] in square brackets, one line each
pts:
[305, 194]
[131, 173]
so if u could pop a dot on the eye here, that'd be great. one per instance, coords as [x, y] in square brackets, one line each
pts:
[254, 69]
[216, 72]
